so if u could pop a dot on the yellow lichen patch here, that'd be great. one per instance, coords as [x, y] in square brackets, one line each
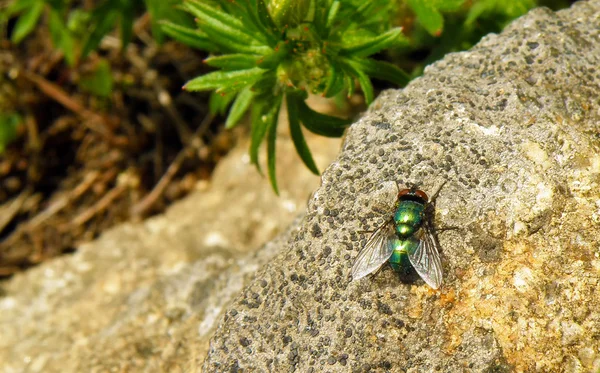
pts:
[534, 152]
[415, 310]
[595, 164]
[524, 279]
[447, 298]
[538, 315]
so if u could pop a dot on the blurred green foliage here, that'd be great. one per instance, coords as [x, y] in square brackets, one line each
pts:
[267, 52]
[77, 32]
[9, 123]
[100, 81]
[462, 25]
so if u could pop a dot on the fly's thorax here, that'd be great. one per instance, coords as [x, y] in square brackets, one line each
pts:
[408, 218]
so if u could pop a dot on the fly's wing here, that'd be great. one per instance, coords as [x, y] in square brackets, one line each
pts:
[377, 251]
[426, 259]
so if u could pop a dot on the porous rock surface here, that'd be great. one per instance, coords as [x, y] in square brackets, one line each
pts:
[146, 297]
[513, 127]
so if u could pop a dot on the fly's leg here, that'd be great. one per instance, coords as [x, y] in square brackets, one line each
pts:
[437, 191]
[430, 212]
[431, 205]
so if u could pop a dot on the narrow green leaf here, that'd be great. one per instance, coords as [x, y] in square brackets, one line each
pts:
[204, 10]
[166, 10]
[243, 11]
[61, 37]
[289, 13]
[240, 106]
[226, 44]
[127, 15]
[333, 11]
[227, 31]
[237, 61]
[383, 70]
[271, 139]
[367, 47]
[193, 38]
[18, 6]
[27, 22]
[475, 12]
[219, 102]
[428, 16]
[364, 7]
[260, 9]
[61, 7]
[350, 85]
[225, 80]
[448, 5]
[258, 128]
[266, 83]
[104, 20]
[237, 18]
[318, 12]
[274, 58]
[366, 86]
[297, 136]
[321, 124]
[335, 81]
[253, 20]
[354, 69]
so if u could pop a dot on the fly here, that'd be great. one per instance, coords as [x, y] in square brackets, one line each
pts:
[404, 239]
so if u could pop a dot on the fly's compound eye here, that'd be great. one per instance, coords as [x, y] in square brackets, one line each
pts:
[404, 192]
[422, 194]
[412, 193]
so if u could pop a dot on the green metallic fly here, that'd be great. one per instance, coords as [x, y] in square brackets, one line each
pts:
[405, 239]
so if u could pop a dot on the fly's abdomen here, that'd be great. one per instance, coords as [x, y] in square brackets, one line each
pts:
[399, 259]
[408, 218]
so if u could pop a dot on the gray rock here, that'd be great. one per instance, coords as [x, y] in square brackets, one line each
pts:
[148, 296]
[513, 126]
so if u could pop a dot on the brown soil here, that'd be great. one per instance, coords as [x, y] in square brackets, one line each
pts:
[82, 163]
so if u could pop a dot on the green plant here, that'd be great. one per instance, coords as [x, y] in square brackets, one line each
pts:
[439, 27]
[99, 81]
[282, 51]
[268, 52]
[429, 13]
[77, 32]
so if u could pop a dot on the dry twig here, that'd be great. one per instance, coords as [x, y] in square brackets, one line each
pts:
[99, 206]
[93, 121]
[10, 209]
[64, 201]
[196, 142]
